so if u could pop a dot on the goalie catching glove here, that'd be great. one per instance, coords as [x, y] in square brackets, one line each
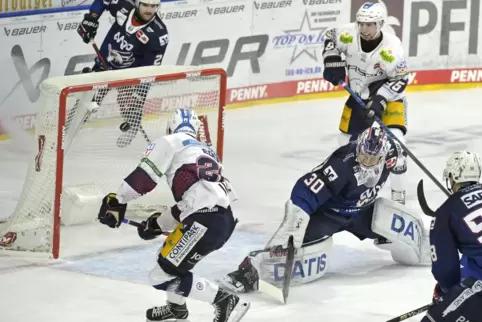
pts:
[112, 212]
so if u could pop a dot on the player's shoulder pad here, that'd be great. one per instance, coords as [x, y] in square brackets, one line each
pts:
[157, 33]
[333, 171]
[394, 155]
[467, 198]
[391, 52]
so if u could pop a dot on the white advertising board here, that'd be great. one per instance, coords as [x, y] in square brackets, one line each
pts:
[259, 43]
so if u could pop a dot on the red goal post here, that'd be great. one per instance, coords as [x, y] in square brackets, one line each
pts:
[83, 152]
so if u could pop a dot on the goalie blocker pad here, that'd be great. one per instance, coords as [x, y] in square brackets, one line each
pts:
[310, 263]
[408, 241]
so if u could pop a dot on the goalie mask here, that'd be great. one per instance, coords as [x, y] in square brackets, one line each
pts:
[183, 120]
[370, 19]
[371, 150]
[462, 167]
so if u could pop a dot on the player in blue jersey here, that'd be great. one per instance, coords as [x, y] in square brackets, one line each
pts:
[137, 38]
[457, 227]
[339, 195]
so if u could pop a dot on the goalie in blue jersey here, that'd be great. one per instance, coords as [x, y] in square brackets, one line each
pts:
[341, 194]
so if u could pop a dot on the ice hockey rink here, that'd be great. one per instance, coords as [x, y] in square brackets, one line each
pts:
[266, 149]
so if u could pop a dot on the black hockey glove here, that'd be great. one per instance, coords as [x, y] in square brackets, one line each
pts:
[376, 107]
[88, 27]
[112, 212]
[151, 228]
[335, 70]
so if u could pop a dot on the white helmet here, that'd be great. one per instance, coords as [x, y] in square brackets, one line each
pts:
[183, 120]
[156, 2]
[372, 12]
[462, 167]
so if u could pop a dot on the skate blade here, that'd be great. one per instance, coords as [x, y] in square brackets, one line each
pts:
[171, 320]
[241, 309]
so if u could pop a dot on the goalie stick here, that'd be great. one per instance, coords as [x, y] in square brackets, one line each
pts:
[404, 147]
[410, 314]
[125, 126]
[290, 258]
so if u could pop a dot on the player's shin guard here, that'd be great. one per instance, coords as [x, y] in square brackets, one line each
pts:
[398, 181]
[398, 196]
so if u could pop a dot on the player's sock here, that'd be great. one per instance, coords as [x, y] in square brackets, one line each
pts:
[398, 196]
[167, 312]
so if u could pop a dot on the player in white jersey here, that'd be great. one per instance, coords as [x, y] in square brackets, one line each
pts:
[377, 72]
[201, 221]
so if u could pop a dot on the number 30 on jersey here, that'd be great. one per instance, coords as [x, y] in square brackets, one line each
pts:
[314, 183]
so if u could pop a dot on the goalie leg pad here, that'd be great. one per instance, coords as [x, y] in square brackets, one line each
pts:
[310, 263]
[403, 227]
[295, 223]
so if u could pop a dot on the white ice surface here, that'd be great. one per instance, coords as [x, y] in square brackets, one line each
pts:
[266, 149]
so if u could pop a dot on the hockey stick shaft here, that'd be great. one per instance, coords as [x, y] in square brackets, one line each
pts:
[409, 153]
[139, 225]
[410, 314]
[99, 55]
[133, 223]
[290, 258]
[106, 67]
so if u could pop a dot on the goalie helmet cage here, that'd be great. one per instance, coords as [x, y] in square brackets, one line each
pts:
[78, 141]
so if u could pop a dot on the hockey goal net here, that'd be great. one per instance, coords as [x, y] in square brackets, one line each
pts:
[91, 131]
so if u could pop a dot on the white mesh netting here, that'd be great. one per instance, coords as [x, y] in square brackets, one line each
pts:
[102, 143]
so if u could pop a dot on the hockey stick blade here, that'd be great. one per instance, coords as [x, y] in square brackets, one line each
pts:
[410, 314]
[423, 201]
[290, 258]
